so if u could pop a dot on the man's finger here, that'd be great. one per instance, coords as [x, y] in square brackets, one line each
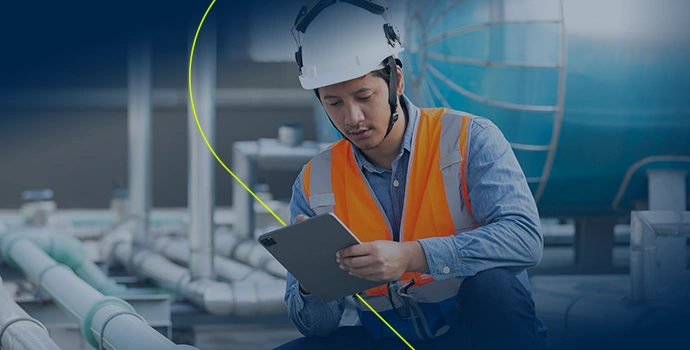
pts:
[357, 262]
[352, 251]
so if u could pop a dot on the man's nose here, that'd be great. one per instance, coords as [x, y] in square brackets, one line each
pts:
[354, 115]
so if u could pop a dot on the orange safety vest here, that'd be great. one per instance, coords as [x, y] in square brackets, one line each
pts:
[436, 200]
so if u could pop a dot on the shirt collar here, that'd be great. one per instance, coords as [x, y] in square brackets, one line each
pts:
[413, 116]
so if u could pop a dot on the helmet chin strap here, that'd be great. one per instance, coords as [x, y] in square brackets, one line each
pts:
[392, 99]
[392, 94]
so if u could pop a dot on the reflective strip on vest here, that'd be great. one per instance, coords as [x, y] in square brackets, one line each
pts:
[319, 187]
[452, 160]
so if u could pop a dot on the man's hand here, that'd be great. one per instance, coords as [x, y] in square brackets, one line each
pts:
[382, 261]
[298, 218]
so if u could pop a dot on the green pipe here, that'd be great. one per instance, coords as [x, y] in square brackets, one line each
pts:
[68, 251]
[91, 309]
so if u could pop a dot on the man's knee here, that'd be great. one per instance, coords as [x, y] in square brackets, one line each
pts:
[306, 343]
[348, 337]
[495, 289]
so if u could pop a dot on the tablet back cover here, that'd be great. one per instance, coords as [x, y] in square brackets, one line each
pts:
[307, 249]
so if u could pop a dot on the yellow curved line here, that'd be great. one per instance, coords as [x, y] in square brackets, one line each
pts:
[384, 321]
[191, 98]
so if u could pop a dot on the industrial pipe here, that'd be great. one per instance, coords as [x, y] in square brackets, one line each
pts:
[106, 322]
[249, 252]
[666, 191]
[139, 125]
[645, 227]
[242, 298]
[68, 251]
[18, 330]
[178, 251]
[201, 185]
[164, 98]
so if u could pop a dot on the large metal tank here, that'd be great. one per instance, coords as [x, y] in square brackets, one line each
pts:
[591, 94]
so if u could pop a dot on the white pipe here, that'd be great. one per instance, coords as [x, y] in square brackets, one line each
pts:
[249, 252]
[242, 201]
[178, 251]
[241, 298]
[642, 259]
[201, 185]
[18, 330]
[125, 331]
[139, 125]
[266, 154]
[666, 191]
[234, 271]
[645, 227]
[102, 319]
[162, 98]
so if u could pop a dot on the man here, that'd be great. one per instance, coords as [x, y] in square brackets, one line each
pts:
[439, 200]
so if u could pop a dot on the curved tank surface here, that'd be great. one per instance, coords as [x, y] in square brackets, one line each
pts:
[590, 94]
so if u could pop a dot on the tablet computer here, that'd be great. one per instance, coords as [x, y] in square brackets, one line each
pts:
[307, 250]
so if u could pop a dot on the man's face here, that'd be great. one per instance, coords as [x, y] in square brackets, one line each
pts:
[359, 109]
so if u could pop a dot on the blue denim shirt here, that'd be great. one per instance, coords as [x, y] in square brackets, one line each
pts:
[508, 235]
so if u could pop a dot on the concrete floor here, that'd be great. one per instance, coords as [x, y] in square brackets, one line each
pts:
[253, 336]
[244, 337]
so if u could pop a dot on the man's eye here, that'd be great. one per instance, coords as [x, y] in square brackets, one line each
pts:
[334, 104]
[365, 98]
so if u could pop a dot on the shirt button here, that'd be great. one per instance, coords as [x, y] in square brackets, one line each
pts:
[396, 183]
[446, 269]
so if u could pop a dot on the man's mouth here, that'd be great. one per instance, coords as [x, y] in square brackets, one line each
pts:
[360, 134]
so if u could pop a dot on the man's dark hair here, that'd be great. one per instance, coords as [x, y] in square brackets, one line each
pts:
[384, 73]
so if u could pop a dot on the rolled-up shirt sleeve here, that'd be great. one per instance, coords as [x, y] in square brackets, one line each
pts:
[508, 233]
[311, 317]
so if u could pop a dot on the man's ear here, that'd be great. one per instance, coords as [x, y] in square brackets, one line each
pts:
[401, 81]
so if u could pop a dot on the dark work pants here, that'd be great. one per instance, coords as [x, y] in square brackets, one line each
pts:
[493, 309]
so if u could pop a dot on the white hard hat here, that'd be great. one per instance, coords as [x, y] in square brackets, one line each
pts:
[344, 41]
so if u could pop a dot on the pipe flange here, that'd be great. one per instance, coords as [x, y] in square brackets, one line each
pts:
[184, 279]
[160, 244]
[111, 317]
[233, 251]
[138, 256]
[248, 275]
[19, 319]
[86, 321]
[39, 280]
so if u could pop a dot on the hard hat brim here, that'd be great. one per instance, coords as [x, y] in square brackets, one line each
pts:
[339, 76]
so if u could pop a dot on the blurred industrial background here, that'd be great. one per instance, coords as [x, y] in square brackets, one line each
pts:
[103, 169]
